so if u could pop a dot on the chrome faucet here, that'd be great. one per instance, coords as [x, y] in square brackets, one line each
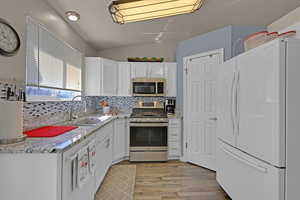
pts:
[71, 111]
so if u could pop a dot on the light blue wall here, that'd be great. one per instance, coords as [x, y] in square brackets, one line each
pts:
[238, 33]
[229, 38]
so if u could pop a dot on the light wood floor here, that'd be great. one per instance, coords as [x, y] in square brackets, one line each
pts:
[175, 181]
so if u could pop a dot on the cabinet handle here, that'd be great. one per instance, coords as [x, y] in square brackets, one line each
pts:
[74, 172]
[108, 143]
[213, 119]
[244, 160]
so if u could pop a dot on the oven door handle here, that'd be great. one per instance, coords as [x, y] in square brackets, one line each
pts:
[149, 124]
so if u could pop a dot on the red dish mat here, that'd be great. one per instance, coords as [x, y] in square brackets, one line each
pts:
[49, 131]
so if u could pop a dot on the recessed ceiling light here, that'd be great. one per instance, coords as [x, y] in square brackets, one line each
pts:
[72, 16]
[124, 11]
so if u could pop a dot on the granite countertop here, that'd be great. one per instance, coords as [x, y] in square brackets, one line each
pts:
[59, 143]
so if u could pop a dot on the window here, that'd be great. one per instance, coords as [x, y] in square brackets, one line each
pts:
[53, 68]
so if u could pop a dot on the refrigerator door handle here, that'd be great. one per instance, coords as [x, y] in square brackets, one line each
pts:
[244, 160]
[237, 102]
[232, 103]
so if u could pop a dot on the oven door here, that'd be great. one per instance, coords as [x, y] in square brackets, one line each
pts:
[149, 136]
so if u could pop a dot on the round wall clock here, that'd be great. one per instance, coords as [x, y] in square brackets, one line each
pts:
[9, 39]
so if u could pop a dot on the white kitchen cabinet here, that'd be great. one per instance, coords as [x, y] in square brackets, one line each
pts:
[139, 70]
[77, 181]
[104, 148]
[174, 138]
[124, 82]
[109, 77]
[156, 70]
[171, 77]
[147, 70]
[93, 76]
[101, 77]
[120, 146]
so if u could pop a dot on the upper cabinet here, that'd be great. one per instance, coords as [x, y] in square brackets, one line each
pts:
[101, 77]
[156, 70]
[105, 77]
[171, 77]
[93, 76]
[139, 70]
[147, 70]
[109, 77]
[124, 82]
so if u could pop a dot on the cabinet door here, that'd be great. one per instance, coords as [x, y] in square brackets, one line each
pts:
[174, 137]
[109, 131]
[124, 85]
[100, 164]
[139, 70]
[171, 76]
[156, 70]
[109, 77]
[119, 140]
[73, 188]
[92, 76]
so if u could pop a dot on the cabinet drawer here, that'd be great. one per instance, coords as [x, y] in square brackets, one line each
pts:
[174, 150]
[174, 134]
[174, 122]
[173, 145]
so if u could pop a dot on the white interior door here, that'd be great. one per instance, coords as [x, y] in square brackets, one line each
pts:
[200, 114]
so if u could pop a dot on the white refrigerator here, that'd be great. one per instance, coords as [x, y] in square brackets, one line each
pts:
[258, 154]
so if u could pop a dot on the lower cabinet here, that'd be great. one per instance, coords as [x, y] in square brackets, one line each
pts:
[77, 173]
[174, 138]
[77, 179]
[121, 140]
[104, 148]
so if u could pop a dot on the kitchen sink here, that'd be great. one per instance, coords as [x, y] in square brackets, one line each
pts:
[89, 121]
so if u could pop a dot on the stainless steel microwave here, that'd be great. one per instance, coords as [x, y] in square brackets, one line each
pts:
[148, 87]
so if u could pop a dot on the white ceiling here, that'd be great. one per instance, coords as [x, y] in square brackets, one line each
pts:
[98, 29]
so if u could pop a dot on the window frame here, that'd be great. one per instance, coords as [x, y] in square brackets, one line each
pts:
[72, 51]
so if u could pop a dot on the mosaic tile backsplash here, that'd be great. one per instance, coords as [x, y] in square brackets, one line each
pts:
[38, 114]
[125, 104]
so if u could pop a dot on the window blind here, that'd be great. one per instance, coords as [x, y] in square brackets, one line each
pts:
[50, 62]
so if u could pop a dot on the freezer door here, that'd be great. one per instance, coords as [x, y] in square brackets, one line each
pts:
[261, 102]
[246, 178]
[227, 102]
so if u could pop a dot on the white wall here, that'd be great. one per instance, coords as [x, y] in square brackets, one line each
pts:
[166, 50]
[288, 22]
[15, 12]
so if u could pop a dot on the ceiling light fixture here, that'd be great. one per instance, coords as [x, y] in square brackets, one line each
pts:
[72, 16]
[124, 11]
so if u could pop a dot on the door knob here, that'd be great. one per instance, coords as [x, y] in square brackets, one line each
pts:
[213, 118]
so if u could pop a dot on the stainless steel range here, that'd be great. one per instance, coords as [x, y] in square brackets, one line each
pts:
[148, 132]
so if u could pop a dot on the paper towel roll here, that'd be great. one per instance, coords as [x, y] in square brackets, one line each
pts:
[11, 119]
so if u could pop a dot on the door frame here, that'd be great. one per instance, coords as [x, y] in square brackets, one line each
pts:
[184, 157]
